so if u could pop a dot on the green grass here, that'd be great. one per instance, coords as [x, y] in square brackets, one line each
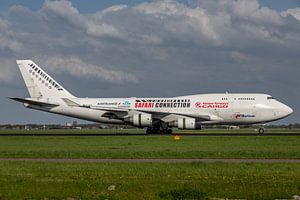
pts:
[37, 180]
[150, 147]
[41, 180]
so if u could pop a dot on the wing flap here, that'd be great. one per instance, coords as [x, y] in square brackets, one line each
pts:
[164, 114]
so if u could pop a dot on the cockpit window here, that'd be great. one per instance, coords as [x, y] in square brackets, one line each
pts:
[270, 98]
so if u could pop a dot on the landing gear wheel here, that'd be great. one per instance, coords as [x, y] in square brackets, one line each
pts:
[153, 130]
[148, 131]
[261, 131]
[157, 130]
[166, 131]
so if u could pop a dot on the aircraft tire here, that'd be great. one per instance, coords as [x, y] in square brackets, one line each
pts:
[153, 130]
[156, 131]
[148, 131]
[261, 131]
[159, 131]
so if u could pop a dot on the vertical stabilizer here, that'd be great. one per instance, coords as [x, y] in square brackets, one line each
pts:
[39, 84]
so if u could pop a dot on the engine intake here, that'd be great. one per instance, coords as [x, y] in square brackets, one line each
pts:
[140, 120]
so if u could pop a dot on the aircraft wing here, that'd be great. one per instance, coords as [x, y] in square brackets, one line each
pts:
[119, 112]
[110, 112]
[72, 103]
[164, 116]
[33, 102]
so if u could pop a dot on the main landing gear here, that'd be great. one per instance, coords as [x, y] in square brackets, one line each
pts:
[156, 130]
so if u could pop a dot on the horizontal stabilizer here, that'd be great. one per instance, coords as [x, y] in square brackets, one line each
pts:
[33, 102]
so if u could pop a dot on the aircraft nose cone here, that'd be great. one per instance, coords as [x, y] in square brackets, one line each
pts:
[289, 110]
[285, 111]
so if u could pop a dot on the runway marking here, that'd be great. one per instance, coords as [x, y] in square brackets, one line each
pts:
[152, 160]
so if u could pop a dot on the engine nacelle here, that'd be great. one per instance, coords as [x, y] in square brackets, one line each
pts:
[140, 120]
[187, 123]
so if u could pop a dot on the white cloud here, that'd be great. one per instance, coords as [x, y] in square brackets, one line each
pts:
[99, 30]
[78, 68]
[7, 41]
[158, 48]
[93, 26]
[295, 12]
[186, 19]
[241, 8]
[63, 9]
[114, 8]
[152, 40]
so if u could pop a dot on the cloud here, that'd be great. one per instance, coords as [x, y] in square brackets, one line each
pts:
[57, 27]
[159, 48]
[240, 57]
[78, 68]
[114, 8]
[295, 12]
[65, 11]
[7, 41]
[99, 30]
[132, 42]
[181, 18]
[7, 71]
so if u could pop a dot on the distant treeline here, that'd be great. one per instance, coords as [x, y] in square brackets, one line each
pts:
[295, 125]
[61, 126]
[105, 126]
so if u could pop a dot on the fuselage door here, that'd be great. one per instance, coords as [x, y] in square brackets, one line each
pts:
[224, 107]
[231, 107]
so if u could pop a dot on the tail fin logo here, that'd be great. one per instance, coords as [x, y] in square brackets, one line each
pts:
[41, 76]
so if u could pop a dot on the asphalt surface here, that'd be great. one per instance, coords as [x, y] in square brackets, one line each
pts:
[139, 134]
[132, 134]
[153, 160]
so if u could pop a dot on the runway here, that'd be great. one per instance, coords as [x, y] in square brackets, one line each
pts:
[152, 160]
[132, 134]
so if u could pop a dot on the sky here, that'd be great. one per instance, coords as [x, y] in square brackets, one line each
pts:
[157, 48]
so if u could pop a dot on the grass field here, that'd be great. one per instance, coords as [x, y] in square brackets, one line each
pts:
[41, 180]
[150, 147]
[33, 180]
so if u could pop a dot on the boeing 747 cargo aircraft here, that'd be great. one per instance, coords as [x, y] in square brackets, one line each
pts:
[155, 114]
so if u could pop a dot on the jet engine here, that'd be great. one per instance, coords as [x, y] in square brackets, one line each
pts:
[187, 123]
[140, 120]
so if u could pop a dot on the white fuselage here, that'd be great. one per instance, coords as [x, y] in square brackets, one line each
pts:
[184, 112]
[231, 109]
